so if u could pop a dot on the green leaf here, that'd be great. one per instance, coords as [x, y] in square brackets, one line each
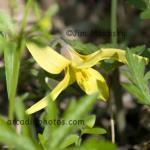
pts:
[72, 105]
[81, 109]
[5, 22]
[145, 14]
[138, 49]
[90, 121]
[51, 114]
[19, 107]
[71, 139]
[41, 40]
[9, 137]
[37, 11]
[52, 10]
[134, 91]
[93, 131]
[82, 47]
[139, 4]
[147, 76]
[42, 141]
[26, 127]
[12, 64]
[136, 67]
[95, 144]
[139, 83]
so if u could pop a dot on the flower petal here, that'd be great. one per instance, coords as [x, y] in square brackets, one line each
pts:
[106, 53]
[53, 95]
[92, 81]
[39, 105]
[48, 58]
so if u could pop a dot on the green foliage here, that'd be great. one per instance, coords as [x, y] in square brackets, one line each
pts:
[145, 14]
[12, 63]
[42, 25]
[20, 115]
[83, 48]
[139, 4]
[138, 49]
[90, 121]
[11, 58]
[71, 139]
[94, 144]
[94, 131]
[49, 139]
[6, 24]
[138, 85]
[81, 108]
[75, 111]
[11, 138]
[144, 6]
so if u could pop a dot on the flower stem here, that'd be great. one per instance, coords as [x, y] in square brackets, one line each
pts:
[115, 81]
[114, 22]
[114, 43]
[16, 62]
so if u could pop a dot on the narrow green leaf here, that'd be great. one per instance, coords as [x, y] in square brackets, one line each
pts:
[51, 115]
[52, 10]
[42, 141]
[134, 91]
[71, 139]
[72, 105]
[26, 127]
[6, 24]
[94, 131]
[12, 64]
[83, 48]
[138, 49]
[90, 121]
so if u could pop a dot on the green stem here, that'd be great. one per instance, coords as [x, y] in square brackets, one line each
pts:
[16, 63]
[26, 13]
[115, 79]
[114, 22]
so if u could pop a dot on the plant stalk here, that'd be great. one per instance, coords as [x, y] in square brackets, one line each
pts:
[115, 81]
[114, 23]
[17, 60]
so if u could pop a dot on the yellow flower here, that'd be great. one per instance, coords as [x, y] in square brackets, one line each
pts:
[77, 68]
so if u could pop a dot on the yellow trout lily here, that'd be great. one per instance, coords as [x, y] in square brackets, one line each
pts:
[76, 67]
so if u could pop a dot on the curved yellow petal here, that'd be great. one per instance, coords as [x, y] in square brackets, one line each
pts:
[53, 95]
[47, 58]
[68, 79]
[105, 53]
[39, 105]
[92, 81]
